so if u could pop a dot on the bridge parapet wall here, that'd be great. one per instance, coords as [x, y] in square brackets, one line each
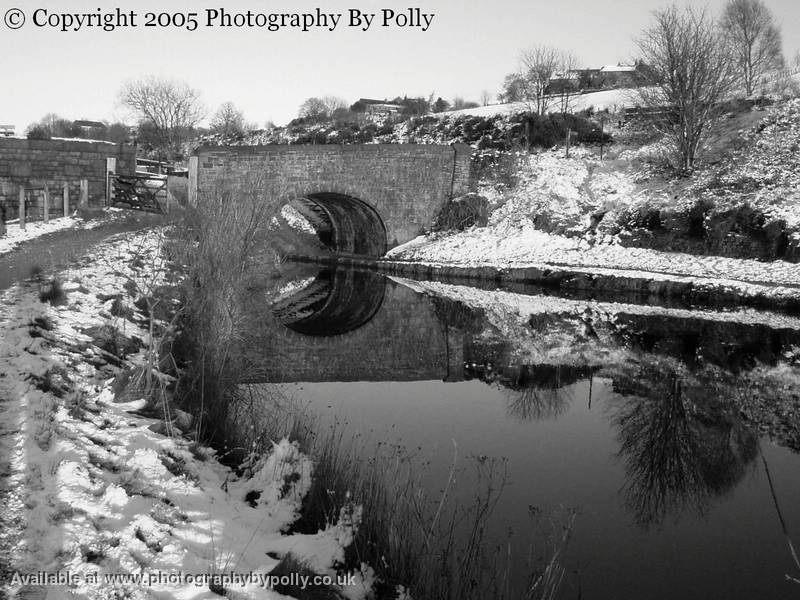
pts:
[406, 184]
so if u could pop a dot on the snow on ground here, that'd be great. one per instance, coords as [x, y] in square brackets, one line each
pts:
[565, 192]
[93, 490]
[561, 188]
[769, 163]
[504, 245]
[15, 235]
[613, 100]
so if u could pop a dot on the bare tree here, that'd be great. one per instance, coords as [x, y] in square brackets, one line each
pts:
[691, 70]
[52, 125]
[513, 89]
[312, 108]
[538, 66]
[228, 120]
[565, 94]
[755, 39]
[334, 104]
[485, 98]
[322, 108]
[170, 109]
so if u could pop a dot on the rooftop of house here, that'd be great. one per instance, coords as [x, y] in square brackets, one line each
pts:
[83, 123]
[618, 68]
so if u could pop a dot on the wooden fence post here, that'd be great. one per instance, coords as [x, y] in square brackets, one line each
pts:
[22, 208]
[66, 199]
[111, 170]
[569, 134]
[194, 164]
[46, 211]
[84, 193]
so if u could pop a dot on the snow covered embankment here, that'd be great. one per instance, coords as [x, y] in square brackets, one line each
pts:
[552, 184]
[94, 502]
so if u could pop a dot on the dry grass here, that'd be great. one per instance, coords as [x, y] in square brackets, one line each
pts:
[217, 246]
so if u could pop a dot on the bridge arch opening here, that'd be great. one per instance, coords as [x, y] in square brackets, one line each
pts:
[343, 223]
[334, 303]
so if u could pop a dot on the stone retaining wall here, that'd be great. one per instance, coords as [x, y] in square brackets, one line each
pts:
[35, 163]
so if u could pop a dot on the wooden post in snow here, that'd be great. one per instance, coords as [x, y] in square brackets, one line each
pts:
[46, 211]
[22, 208]
[84, 193]
[194, 166]
[569, 134]
[602, 135]
[66, 199]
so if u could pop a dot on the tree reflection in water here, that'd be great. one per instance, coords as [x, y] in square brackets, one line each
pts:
[534, 404]
[681, 443]
[533, 392]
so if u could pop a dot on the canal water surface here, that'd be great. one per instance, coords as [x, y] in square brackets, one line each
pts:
[670, 432]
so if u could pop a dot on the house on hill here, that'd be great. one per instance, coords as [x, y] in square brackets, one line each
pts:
[615, 76]
[89, 129]
[605, 77]
[564, 82]
[7, 131]
[376, 108]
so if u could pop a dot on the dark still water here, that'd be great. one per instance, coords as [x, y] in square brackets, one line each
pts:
[672, 433]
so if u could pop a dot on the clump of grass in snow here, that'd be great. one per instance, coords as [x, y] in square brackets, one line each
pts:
[50, 290]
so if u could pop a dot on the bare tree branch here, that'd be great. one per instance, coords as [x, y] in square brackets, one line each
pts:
[170, 108]
[755, 39]
[228, 120]
[538, 66]
[691, 71]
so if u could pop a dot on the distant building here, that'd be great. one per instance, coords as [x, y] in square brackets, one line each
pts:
[564, 82]
[377, 108]
[89, 129]
[7, 131]
[615, 76]
[587, 78]
[605, 77]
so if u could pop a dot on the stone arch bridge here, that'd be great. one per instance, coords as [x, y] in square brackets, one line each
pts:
[361, 199]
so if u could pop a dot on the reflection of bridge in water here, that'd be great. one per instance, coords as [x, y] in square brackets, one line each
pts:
[335, 303]
[353, 326]
[358, 326]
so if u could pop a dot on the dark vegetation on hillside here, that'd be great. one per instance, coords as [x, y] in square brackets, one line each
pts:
[497, 132]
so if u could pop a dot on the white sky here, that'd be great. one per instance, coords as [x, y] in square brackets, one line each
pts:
[469, 47]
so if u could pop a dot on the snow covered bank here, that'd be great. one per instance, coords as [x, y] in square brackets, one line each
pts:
[525, 254]
[95, 501]
[503, 245]
[558, 210]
